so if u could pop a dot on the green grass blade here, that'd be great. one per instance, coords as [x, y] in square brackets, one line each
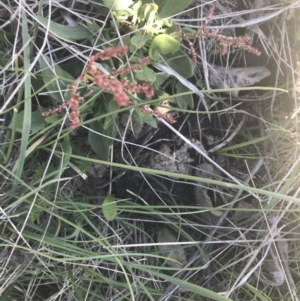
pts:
[27, 105]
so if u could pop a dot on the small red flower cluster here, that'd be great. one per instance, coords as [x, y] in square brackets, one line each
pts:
[224, 41]
[107, 82]
[108, 53]
[135, 67]
[110, 82]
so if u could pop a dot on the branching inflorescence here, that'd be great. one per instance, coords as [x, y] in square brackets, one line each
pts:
[107, 82]
[120, 87]
[224, 41]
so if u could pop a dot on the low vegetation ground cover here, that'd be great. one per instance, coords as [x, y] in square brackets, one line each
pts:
[149, 150]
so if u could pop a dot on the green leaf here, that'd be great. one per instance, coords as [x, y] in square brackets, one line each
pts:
[150, 12]
[112, 106]
[93, 26]
[131, 48]
[138, 40]
[100, 143]
[184, 100]
[126, 40]
[109, 121]
[150, 120]
[137, 116]
[37, 122]
[117, 4]
[163, 44]
[67, 149]
[168, 23]
[70, 33]
[146, 75]
[4, 58]
[181, 63]
[57, 85]
[161, 78]
[109, 208]
[136, 8]
[169, 8]
[52, 118]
